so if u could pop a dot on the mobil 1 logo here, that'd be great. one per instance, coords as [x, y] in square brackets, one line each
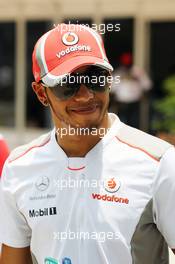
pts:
[43, 212]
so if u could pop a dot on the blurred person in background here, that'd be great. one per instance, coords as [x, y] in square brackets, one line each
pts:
[126, 212]
[4, 152]
[134, 82]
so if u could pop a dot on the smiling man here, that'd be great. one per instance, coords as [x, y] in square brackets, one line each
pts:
[74, 195]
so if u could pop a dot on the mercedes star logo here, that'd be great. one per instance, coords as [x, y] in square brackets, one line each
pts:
[42, 183]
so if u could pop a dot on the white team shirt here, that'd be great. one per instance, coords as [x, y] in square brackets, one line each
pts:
[113, 206]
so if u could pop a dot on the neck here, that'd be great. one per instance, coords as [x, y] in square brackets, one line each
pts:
[80, 143]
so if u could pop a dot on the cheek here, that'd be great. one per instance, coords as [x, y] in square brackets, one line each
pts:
[103, 97]
[58, 105]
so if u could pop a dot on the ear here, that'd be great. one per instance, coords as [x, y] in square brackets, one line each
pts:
[40, 92]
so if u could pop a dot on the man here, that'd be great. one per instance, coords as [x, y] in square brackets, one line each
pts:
[89, 197]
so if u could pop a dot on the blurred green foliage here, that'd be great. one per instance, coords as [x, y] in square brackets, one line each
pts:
[166, 107]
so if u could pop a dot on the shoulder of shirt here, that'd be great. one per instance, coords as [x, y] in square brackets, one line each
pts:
[153, 146]
[23, 150]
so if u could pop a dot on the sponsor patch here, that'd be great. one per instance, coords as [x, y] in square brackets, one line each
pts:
[43, 212]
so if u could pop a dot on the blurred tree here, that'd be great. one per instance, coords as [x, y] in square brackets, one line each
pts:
[166, 107]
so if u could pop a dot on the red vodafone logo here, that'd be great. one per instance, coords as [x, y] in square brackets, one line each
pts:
[112, 185]
[110, 198]
[70, 38]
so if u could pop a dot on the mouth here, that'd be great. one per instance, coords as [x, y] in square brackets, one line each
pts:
[83, 110]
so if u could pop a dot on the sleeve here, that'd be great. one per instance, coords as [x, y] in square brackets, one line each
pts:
[164, 197]
[14, 230]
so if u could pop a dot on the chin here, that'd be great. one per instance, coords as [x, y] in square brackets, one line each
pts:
[92, 120]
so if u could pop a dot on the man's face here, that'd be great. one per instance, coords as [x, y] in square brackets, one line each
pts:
[85, 109]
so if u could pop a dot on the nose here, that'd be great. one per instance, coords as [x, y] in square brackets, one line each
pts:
[83, 94]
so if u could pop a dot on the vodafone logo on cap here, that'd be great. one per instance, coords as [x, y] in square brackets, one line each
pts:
[112, 185]
[70, 38]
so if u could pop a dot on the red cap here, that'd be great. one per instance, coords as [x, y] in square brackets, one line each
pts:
[126, 59]
[65, 48]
